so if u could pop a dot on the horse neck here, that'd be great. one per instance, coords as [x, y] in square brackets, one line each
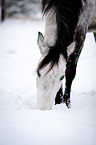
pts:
[50, 29]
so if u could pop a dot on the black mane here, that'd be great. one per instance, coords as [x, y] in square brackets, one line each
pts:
[67, 13]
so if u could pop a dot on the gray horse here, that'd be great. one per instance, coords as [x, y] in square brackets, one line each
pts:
[67, 22]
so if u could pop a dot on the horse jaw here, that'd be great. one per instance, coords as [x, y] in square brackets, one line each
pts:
[48, 84]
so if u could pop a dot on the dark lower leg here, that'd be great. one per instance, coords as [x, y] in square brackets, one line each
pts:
[70, 74]
[59, 96]
[95, 36]
[72, 63]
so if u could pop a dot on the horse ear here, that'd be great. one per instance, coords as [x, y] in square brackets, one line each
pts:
[41, 44]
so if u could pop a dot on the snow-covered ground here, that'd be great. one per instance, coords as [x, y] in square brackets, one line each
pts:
[20, 122]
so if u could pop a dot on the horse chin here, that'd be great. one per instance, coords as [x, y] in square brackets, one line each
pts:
[44, 105]
[45, 102]
[46, 94]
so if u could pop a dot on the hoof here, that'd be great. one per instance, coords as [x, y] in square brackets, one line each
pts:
[67, 102]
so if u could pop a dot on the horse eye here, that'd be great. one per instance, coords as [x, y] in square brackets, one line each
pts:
[38, 73]
[62, 78]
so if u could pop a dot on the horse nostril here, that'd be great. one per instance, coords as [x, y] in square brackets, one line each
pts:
[62, 78]
[38, 73]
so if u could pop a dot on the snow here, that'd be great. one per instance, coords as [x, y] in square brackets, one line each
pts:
[20, 122]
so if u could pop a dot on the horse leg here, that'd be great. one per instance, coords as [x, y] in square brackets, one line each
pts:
[79, 37]
[59, 96]
[95, 36]
[69, 76]
[71, 65]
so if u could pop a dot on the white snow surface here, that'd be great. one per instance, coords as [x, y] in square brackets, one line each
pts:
[20, 122]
